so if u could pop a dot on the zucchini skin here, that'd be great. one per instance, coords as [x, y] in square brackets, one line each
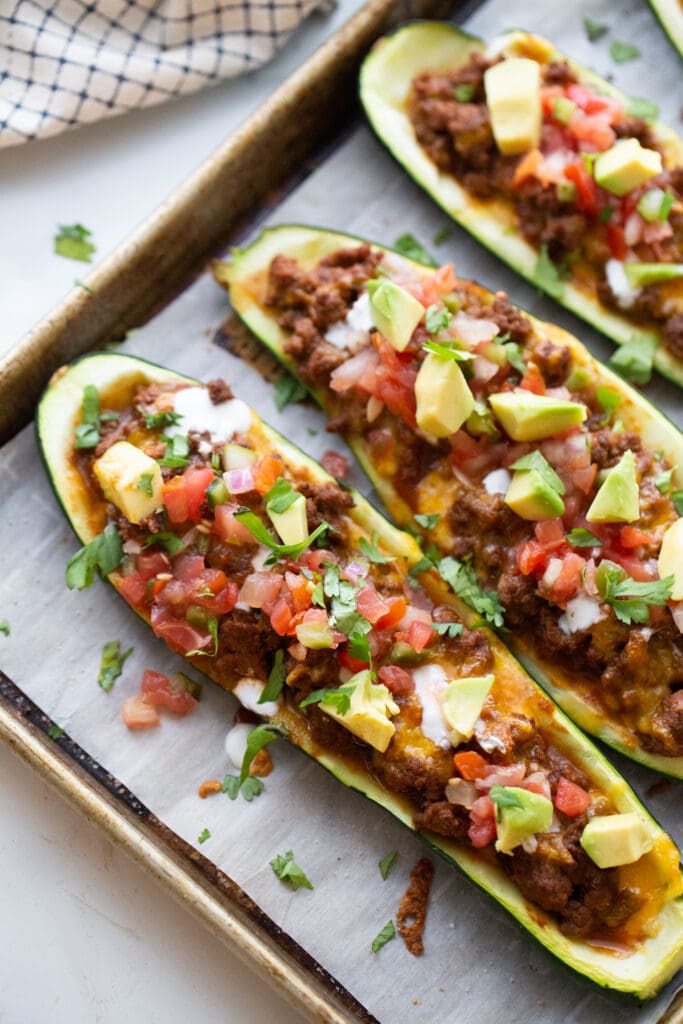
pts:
[670, 16]
[637, 414]
[385, 80]
[641, 974]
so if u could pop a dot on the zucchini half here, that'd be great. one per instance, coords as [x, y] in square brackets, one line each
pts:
[670, 16]
[647, 968]
[245, 277]
[385, 82]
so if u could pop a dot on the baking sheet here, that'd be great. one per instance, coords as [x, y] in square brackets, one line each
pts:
[477, 962]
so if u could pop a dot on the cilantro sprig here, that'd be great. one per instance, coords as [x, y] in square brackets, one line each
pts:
[386, 935]
[281, 496]
[245, 784]
[276, 679]
[87, 434]
[158, 420]
[287, 870]
[370, 550]
[448, 351]
[427, 519]
[462, 580]
[258, 530]
[535, 460]
[631, 599]
[112, 663]
[437, 318]
[103, 553]
[339, 698]
[408, 245]
[503, 796]
[177, 451]
[449, 629]
[73, 242]
[582, 538]
[288, 390]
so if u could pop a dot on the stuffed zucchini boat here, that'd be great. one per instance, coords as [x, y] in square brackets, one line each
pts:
[548, 488]
[670, 15]
[547, 165]
[296, 595]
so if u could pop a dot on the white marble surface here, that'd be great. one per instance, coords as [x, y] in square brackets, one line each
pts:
[85, 934]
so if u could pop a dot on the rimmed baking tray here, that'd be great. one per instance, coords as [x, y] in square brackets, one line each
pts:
[250, 174]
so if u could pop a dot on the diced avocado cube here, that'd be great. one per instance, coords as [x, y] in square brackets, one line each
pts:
[670, 561]
[236, 456]
[529, 417]
[514, 824]
[368, 715]
[617, 500]
[625, 166]
[130, 479]
[462, 704]
[316, 636]
[513, 96]
[532, 497]
[291, 524]
[614, 839]
[394, 312]
[444, 400]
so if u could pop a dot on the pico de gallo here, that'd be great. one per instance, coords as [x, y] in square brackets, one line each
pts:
[264, 572]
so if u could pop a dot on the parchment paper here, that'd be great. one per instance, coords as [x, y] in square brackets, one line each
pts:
[478, 965]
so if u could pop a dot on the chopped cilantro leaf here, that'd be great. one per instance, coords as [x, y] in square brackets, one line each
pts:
[449, 629]
[318, 595]
[87, 433]
[461, 578]
[427, 519]
[212, 626]
[231, 786]
[594, 29]
[636, 106]
[464, 92]
[428, 561]
[448, 350]
[677, 498]
[386, 935]
[4, 627]
[628, 598]
[176, 456]
[535, 460]
[112, 664]
[72, 242]
[251, 787]
[634, 359]
[158, 420]
[257, 529]
[144, 484]
[513, 354]
[582, 538]
[258, 738]
[359, 645]
[441, 235]
[371, 551]
[437, 318]
[386, 863]
[502, 796]
[609, 400]
[605, 214]
[170, 541]
[663, 481]
[287, 870]
[103, 552]
[280, 496]
[340, 699]
[547, 274]
[288, 390]
[621, 52]
[55, 731]
[203, 835]
[409, 246]
[276, 679]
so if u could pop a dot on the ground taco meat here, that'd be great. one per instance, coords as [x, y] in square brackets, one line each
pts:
[412, 911]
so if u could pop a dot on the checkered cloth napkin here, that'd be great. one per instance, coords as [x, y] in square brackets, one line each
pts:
[67, 62]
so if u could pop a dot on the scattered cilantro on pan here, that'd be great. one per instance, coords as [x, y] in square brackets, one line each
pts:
[437, 318]
[177, 450]
[144, 484]
[103, 552]
[677, 498]
[594, 29]
[257, 529]
[203, 835]
[461, 578]
[55, 731]
[634, 359]
[112, 663]
[663, 481]
[622, 52]
[502, 796]
[442, 234]
[288, 390]
[582, 538]
[535, 460]
[287, 870]
[371, 551]
[386, 863]
[170, 541]
[340, 698]
[4, 627]
[449, 629]
[409, 246]
[547, 275]
[276, 679]
[637, 106]
[158, 420]
[281, 496]
[386, 935]
[427, 519]
[628, 598]
[72, 241]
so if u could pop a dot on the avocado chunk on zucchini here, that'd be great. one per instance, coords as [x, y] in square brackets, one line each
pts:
[618, 499]
[394, 311]
[529, 417]
[625, 166]
[670, 561]
[612, 840]
[513, 96]
[130, 479]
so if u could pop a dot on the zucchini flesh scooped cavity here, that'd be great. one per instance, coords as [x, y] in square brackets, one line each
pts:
[648, 963]
[385, 85]
[247, 279]
[670, 14]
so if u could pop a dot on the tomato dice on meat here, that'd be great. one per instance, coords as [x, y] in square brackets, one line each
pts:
[396, 679]
[482, 830]
[470, 764]
[587, 200]
[183, 495]
[571, 799]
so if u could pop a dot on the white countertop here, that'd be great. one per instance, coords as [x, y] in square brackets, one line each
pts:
[86, 935]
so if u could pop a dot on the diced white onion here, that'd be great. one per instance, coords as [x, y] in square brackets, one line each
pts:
[581, 612]
[461, 793]
[619, 284]
[471, 330]
[352, 332]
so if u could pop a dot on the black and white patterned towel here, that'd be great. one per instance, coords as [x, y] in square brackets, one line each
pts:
[67, 62]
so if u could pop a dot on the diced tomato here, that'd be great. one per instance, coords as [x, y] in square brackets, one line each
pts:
[475, 457]
[593, 129]
[527, 167]
[594, 103]
[138, 714]
[420, 635]
[188, 568]
[314, 559]
[175, 499]
[153, 681]
[261, 589]
[300, 589]
[228, 528]
[537, 782]
[616, 241]
[183, 495]
[571, 799]
[281, 617]
[470, 764]
[587, 200]
[222, 602]
[335, 463]
[133, 588]
[568, 582]
[549, 93]
[630, 537]
[396, 679]
[533, 380]
[394, 382]
[585, 478]
[482, 831]
[347, 660]
[149, 563]
[440, 283]
[549, 531]
[371, 605]
[502, 775]
[157, 689]
[178, 634]
[266, 471]
[397, 608]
